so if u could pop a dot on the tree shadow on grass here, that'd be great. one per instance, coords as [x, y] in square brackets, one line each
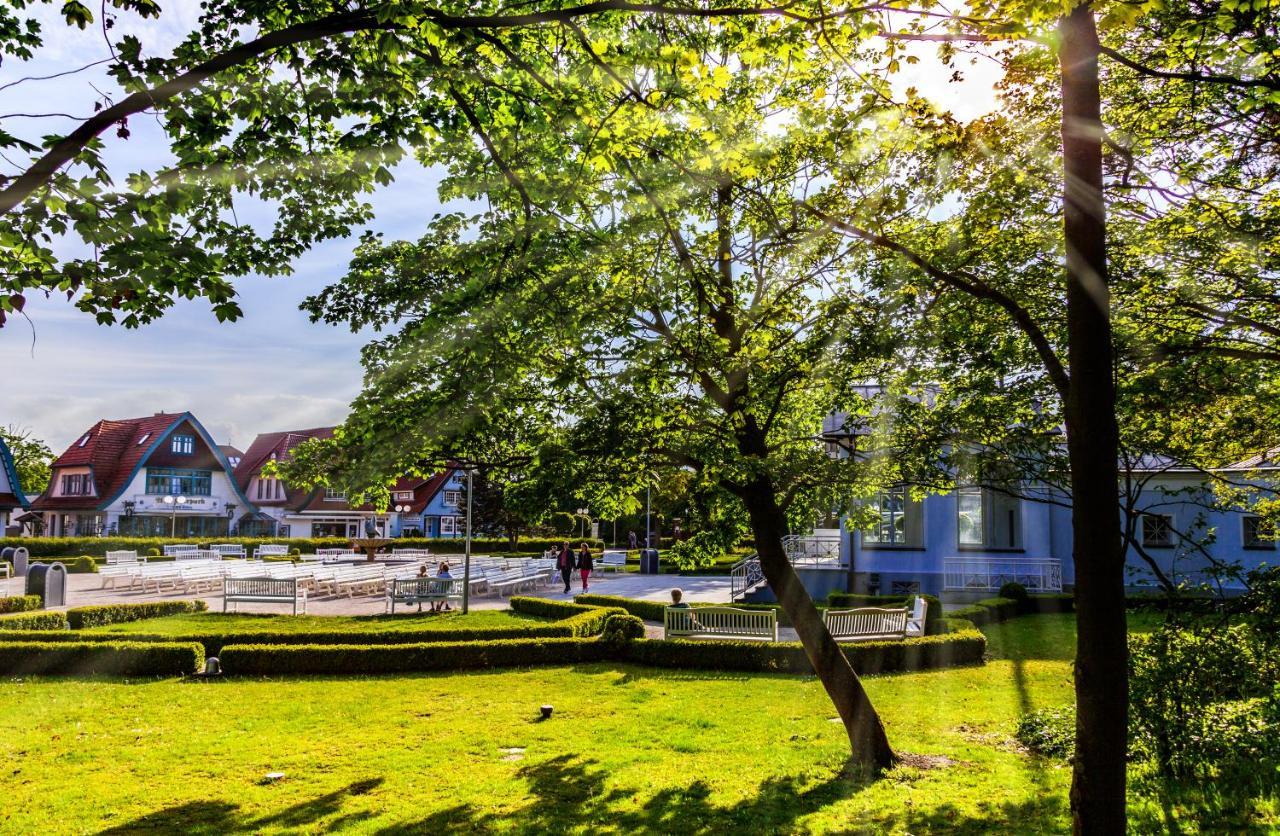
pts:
[199, 817]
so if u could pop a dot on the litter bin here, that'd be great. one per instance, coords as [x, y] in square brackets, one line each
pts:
[18, 557]
[49, 581]
[649, 562]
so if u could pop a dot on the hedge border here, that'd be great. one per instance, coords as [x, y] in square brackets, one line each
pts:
[19, 603]
[83, 618]
[34, 621]
[24, 658]
[997, 610]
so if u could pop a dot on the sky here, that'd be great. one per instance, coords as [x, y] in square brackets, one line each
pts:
[272, 369]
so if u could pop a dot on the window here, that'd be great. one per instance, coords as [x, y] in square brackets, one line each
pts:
[184, 445]
[144, 438]
[179, 482]
[270, 488]
[404, 496]
[898, 520]
[84, 440]
[453, 498]
[334, 495]
[446, 525]
[904, 587]
[77, 484]
[1258, 533]
[1157, 530]
[988, 519]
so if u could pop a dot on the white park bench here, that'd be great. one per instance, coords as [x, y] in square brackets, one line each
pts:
[228, 549]
[614, 561]
[270, 550]
[119, 557]
[870, 623]
[417, 590]
[171, 550]
[720, 623]
[263, 591]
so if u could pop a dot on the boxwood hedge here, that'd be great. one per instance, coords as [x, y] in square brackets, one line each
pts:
[100, 616]
[34, 621]
[276, 660]
[83, 658]
[19, 603]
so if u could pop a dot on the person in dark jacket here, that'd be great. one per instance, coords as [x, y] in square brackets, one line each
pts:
[584, 566]
[564, 562]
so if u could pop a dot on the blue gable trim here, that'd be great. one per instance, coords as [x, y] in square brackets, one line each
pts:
[160, 440]
[11, 470]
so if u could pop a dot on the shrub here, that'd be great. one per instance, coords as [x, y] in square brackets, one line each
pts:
[100, 616]
[1014, 591]
[647, 610]
[118, 658]
[20, 603]
[987, 611]
[84, 564]
[563, 523]
[295, 552]
[1049, 731]
[34, 621]
[622, 628]
[278, 660]
[150, 552]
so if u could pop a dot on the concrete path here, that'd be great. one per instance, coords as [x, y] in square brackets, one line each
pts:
[85, 590]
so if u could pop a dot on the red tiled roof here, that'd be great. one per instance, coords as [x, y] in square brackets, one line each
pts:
[113, 449]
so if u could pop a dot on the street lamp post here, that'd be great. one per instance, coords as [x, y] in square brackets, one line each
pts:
[175, 501]
[466, 553]
[401, 510]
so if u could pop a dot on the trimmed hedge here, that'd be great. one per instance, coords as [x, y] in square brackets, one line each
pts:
[99, 546]
[83, 617]
[34, 621]
[19, 603]
[988, 611]
[117, 658]
[268, 660]
[964, 648]
[924, 653]
[647, 610]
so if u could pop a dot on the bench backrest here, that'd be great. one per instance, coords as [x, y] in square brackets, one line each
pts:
[260, 587]
[180, 548]
[867, 621]
[614, 558]
[227, 549]
[270, 549]
[122, 557]
[726, 621]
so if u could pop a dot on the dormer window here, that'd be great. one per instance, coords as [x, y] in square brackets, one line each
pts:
[334, 495]
[84, 440]
[183, 445]
[404, 496]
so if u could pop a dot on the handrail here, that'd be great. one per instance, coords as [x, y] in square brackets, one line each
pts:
[1037, 574]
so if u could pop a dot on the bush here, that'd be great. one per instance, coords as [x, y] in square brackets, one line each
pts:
[84, 564]
[1014, 591]
[84, 617]
[295, 552]
[620, 628]
[20, 603]
[150, 552]
[647, 610]
[280, 660]
[922, 653]
[987, 611]
[118, 658]
[34, 621]
[849, 600]
[44, 547]
[1049, 731]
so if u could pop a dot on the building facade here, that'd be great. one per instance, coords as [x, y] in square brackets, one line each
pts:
[13, 501]
[158, 476]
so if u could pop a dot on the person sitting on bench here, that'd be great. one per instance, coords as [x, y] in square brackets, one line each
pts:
[676, 596]
[443, 574]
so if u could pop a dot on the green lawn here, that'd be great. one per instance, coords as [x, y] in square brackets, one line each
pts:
[195, 624]
[628, 749]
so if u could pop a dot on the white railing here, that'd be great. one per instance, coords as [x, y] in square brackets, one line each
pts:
[821, 548]
[991, 573]
[744, 575]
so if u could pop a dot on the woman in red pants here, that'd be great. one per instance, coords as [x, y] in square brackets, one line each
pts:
[584, 566]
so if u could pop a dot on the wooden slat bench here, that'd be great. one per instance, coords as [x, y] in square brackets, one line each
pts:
[418, 590]
[614, 561]
[720, 623]
[871, 623]
[263, 591]
[114, 558]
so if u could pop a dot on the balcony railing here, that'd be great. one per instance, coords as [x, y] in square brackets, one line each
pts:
[822, 548]
[982, 574]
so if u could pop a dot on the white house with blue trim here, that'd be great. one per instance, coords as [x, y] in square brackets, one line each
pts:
[12, 497]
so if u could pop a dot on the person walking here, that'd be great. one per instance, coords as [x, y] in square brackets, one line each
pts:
[584, 566]
[564, 562]
[632, 542]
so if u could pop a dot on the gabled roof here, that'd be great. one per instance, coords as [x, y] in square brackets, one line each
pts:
[1266, 460]
[113, 450]
[278, 446]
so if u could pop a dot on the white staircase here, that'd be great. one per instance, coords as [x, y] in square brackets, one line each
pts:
[822, 548]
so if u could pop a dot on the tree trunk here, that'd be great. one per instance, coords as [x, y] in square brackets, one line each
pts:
[867, 738]
[1101, 670]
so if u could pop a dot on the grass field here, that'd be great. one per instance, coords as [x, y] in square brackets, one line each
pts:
[205, 623]
[628, 749]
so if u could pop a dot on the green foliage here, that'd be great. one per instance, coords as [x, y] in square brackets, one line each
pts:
[31, 458]
[349, 659]
[1014, 591]
[44, 547]
[701, 550]
[19, 603]
[83, 659]
[622, 628]
[563, 523]
[1049, 731]
[81, 618]
[84, 564]
[647, 610]
[34, 621]
[988, 611]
